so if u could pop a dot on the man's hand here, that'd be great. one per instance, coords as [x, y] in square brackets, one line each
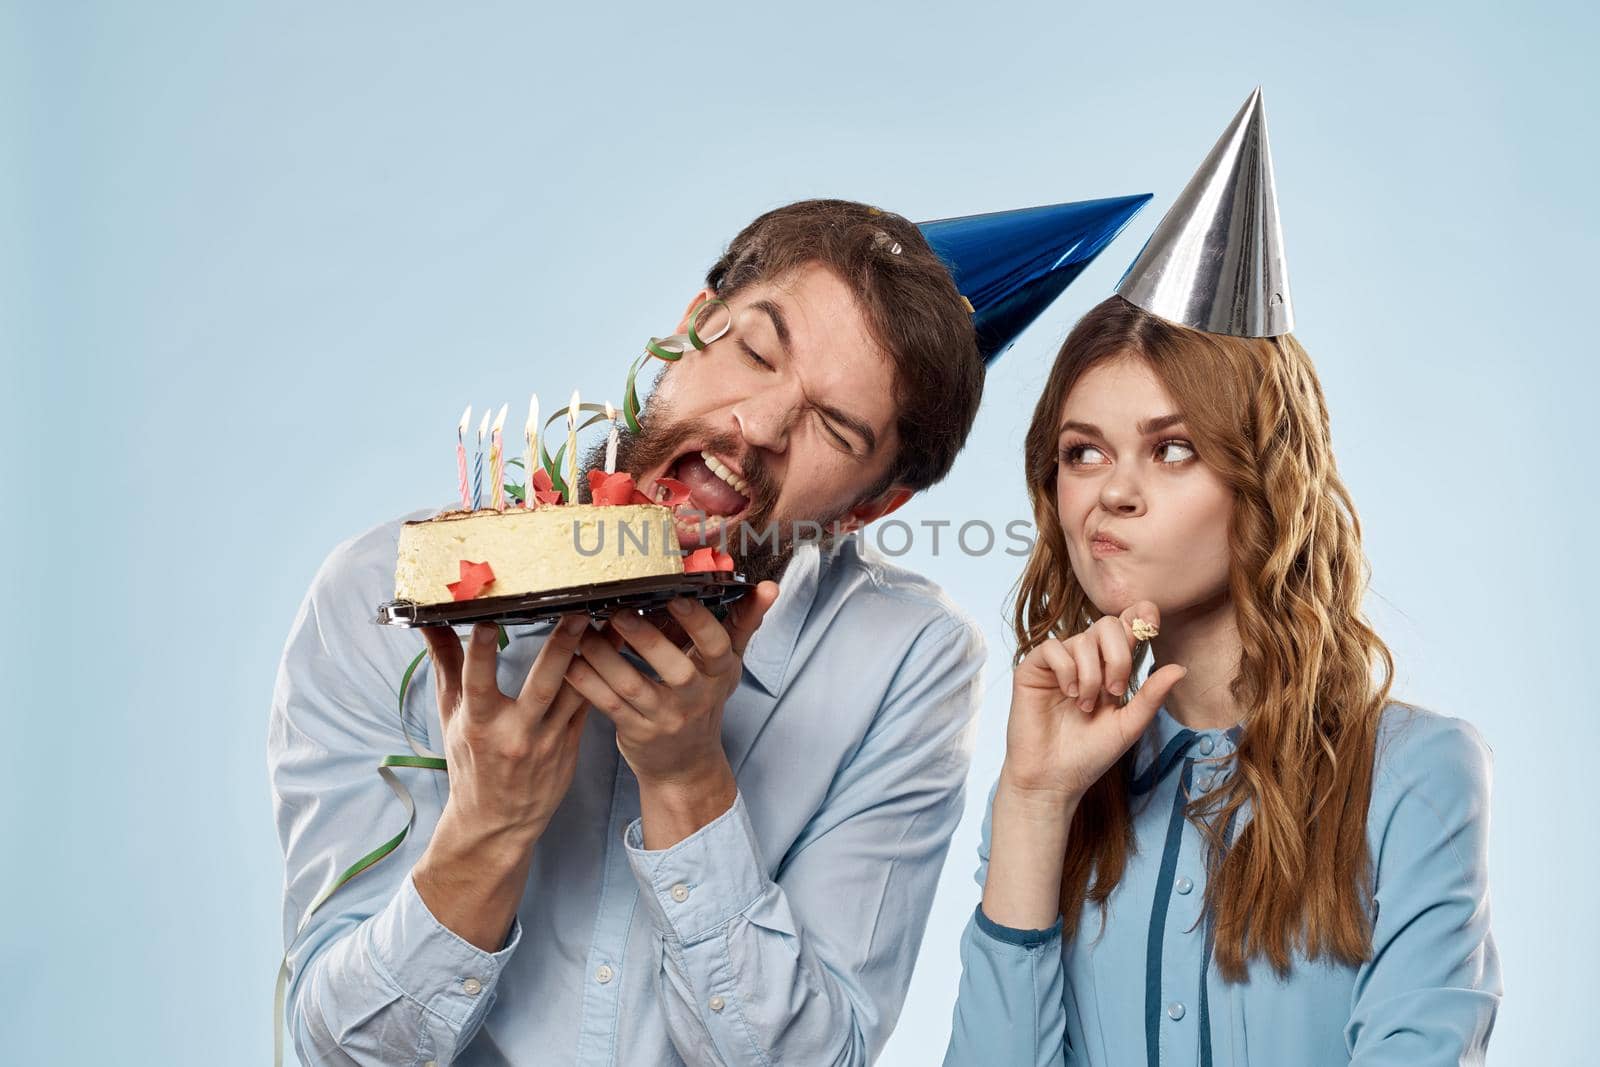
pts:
[670, 731]
[511, 760]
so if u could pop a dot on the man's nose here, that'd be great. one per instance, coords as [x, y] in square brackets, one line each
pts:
[765, 419]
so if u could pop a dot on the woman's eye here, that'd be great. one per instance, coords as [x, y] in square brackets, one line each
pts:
[1182, 446]
[1075, 453]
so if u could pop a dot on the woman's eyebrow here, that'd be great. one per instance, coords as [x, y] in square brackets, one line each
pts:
[1146, 427]
[1159, 422]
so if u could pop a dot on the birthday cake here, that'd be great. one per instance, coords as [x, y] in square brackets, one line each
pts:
[544, 544]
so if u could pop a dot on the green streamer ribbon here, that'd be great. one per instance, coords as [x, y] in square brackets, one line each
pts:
[670, 350]
[419, 758]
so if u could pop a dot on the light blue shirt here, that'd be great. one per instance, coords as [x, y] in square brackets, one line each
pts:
[783, 932]
[1145, 990]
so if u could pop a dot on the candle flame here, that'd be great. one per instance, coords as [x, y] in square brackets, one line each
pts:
[483, 427]
[611, 412]
[533, 416]
[466, 420]
[500, 419]
[572, 409]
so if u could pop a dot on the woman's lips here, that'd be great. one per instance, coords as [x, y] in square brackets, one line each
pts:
[1104, 546]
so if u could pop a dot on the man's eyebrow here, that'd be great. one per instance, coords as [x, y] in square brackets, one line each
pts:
[1147, 426]
[779, 323]
[853, 424]
[844, 418]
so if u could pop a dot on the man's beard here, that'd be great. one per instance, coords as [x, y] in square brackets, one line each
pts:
[761, 544]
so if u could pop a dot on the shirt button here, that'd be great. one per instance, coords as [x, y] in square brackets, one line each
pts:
[1175, 1011]
[604, 973]
[1184, 886]
[680, 892]
[1207, 745]
[472, 987]
[716, 1003]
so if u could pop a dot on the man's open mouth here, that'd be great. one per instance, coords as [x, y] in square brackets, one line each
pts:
[718, 497]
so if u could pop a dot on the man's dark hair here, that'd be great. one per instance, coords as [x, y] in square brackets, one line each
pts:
[912, 310]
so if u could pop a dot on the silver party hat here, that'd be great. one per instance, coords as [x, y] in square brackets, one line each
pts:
[1215, 262]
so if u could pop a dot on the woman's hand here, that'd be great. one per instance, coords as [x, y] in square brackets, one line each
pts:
[1068, 727]
[1068, 724]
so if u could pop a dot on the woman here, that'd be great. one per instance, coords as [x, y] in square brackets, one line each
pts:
[1256, 857]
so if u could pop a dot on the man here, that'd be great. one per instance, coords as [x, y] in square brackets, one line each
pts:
[734, 860]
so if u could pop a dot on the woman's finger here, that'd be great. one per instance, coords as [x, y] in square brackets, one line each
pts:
[1116, 656]
[1151, 695]
[1085, 650]
[1140, 621]
[1055, 659]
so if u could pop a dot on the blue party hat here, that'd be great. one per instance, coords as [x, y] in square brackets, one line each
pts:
[1010, 265]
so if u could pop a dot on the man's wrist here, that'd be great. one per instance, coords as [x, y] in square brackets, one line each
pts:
[673, 808]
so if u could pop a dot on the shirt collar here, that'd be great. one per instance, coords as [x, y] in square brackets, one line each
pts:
[1165, 728]
[766, 657]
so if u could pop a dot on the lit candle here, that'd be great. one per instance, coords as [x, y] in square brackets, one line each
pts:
[611, 442]
[572, 449]
[530, 436]
[497, 460]
[461, 456]
[477, 463]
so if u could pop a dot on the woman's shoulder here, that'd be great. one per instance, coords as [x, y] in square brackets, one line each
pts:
[1422, 754]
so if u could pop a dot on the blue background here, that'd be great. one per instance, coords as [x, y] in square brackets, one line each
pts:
[254, 261]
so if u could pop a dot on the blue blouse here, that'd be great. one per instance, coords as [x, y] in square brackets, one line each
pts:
[1144, 990]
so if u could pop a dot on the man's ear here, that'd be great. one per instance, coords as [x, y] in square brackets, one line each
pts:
[874, 509]
[699, 298]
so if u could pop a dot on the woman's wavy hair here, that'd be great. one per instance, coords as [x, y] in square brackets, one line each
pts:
[1313, 675]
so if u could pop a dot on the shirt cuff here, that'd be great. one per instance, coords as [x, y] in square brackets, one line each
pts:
[434, 965]
[693, 888]
[1012, 936]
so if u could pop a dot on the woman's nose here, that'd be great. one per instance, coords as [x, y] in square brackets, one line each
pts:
[1121, 494]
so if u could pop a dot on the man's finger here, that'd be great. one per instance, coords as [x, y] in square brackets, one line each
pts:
[709, 636]
[543, 683]
[478, 677]
[671, 665]
[620, 676]
[568, 703]
[747, 614]
[444, 649]
[600, 696]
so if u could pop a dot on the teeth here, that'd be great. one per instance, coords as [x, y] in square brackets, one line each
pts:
[721, 470]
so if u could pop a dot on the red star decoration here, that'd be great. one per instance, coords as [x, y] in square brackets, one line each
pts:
[474, 576]
[610, 489]
[544, 490]
[677, 492]
[707, 559]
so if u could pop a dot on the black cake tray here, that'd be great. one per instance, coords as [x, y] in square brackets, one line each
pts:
[715, 589]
